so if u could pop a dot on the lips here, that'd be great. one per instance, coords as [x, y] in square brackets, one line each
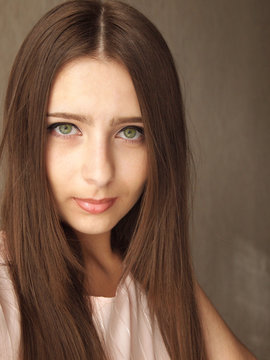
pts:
[94, 206]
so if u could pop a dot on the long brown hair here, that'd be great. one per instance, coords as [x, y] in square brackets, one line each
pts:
[45, 262]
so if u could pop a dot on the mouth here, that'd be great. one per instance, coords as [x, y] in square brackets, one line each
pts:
[95, 206]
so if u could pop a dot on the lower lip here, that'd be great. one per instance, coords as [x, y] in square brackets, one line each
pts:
[94, 208]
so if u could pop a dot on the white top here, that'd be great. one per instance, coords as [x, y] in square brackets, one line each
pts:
[123, 322]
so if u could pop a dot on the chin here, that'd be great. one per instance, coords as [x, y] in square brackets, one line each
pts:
[93, 227]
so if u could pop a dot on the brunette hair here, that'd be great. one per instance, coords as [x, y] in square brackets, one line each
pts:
[45, 263]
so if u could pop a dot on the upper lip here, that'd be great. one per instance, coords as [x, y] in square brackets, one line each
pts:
[96, 201]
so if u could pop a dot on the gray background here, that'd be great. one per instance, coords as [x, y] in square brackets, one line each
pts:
[222, 52]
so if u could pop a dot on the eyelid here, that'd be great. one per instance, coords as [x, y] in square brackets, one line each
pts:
[59, 123]
[139, 128]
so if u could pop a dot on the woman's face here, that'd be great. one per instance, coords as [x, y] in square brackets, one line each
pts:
[96, 154]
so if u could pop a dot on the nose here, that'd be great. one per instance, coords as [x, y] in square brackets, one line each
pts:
[97, 163]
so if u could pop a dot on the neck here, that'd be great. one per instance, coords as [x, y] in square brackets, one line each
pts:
[103, 266]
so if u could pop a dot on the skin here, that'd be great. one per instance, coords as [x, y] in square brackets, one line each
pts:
[92, 157]
[97, 161]
[221, 343]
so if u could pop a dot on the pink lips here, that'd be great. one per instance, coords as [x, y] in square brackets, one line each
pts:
[95, 206]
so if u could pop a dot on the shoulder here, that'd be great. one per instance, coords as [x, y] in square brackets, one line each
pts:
[221, 343]
[9, 311]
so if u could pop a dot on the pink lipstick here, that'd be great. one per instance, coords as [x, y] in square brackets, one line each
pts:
[93, 206]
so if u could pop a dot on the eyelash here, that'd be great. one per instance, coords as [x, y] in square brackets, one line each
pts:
[54, 126]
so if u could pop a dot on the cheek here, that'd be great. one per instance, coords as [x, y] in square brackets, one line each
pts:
[134, 169]
[59, 166]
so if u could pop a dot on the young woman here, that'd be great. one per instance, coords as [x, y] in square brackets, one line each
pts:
[95, 261]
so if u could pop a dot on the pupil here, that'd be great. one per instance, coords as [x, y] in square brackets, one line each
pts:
[130, 133]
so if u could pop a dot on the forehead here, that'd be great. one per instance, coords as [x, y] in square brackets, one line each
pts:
[90, 86]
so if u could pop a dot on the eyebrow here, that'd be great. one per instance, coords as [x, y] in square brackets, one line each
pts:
[84, 119]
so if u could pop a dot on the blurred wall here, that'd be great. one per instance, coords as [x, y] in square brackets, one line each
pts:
[222, 52]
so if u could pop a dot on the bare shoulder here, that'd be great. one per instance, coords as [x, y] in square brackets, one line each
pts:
[221, 343]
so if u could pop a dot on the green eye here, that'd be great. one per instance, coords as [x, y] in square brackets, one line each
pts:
[65, 129]
[130, 133]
